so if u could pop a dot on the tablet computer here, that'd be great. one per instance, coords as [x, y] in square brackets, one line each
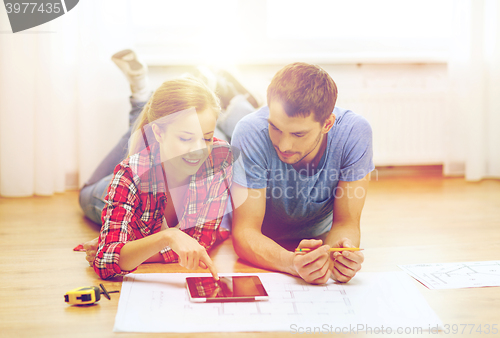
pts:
[226, 289]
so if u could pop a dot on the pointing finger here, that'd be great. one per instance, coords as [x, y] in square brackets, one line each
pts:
[210, 265]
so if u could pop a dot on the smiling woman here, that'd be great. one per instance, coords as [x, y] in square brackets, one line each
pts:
[185, 143]
[180, 117]
[166, 200]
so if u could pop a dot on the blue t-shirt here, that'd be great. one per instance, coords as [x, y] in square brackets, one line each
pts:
[299, 206]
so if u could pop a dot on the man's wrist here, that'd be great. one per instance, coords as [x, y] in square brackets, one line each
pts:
[288, 258]
[335, 240]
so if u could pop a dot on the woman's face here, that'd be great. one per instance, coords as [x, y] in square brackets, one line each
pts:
[186, 142]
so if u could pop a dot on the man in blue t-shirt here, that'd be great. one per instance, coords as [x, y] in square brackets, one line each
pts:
[305, 168]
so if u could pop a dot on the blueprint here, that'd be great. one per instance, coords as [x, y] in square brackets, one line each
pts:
[160, 303]
[455, 275]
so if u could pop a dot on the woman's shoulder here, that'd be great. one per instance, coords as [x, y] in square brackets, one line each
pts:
[132, 169]
[221, 157]
[221, 144]
[222, 153]
[142, 162]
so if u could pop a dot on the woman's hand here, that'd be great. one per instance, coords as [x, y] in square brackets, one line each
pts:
[91, 249]
[191, 253]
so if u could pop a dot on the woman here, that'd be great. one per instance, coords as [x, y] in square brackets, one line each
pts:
[166, 200]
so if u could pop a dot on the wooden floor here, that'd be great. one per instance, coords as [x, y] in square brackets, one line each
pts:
[405, 220]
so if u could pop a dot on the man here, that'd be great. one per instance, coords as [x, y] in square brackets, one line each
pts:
[305, 166]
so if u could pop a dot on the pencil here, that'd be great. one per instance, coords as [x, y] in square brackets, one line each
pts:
[331, 249]
[106, 294]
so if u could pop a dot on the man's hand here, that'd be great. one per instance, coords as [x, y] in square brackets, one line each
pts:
[191, 253]
[346, 263]
[314, 266]
[91, 249]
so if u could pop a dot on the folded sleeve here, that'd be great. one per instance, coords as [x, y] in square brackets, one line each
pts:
[117, 216]
[357, 155]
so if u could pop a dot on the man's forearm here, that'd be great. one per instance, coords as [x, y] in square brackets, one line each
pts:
[262, 251]
[341, 230]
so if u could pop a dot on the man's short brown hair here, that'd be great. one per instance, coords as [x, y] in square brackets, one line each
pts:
[303, 89]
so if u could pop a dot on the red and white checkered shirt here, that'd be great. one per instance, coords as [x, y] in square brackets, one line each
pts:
[136, 200]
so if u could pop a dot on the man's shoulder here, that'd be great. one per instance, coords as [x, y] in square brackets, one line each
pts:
[251, 132]
[346, 118]
[255, 121]
[350, 127]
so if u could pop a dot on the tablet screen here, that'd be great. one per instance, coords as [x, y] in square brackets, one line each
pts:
[228, 288]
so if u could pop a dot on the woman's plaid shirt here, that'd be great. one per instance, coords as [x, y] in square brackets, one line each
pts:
[136, 199]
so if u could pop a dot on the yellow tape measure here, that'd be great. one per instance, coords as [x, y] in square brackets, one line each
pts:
[83, 295]
[86, 295]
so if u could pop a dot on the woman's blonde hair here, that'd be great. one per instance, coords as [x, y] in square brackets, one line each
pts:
[171, 97]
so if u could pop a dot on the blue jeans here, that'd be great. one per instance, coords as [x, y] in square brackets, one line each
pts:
[95, 189]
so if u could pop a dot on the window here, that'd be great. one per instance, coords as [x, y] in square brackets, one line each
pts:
[260, 31]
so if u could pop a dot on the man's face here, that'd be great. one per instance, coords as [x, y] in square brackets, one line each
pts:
[294, 138]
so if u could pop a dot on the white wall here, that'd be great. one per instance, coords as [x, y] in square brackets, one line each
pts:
[405, 104]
